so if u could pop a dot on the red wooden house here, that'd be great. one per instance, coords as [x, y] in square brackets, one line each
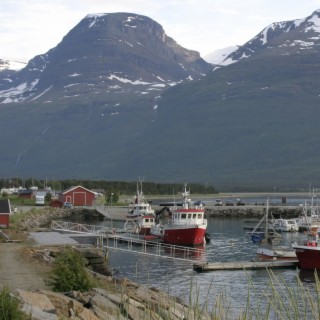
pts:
[5, 211]
[78, 196]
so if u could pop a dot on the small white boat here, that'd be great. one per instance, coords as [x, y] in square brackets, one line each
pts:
[140, 207]
[270, 252]
[285, 225]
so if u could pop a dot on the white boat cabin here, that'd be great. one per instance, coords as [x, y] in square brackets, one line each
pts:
[188, 218]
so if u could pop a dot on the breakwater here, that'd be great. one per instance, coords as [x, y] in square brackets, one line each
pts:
[42, 217]
[39, 218]
[252, 211]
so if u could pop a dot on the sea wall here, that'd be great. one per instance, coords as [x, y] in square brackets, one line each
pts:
[252, 211]
[42, 217]
[39, 218]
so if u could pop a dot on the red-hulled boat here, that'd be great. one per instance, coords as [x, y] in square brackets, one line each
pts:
[308, 252]
[187, 226]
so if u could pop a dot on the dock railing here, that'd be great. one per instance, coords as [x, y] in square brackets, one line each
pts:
[108, 238]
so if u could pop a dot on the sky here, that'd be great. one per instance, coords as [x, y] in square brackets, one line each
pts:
[32, 27]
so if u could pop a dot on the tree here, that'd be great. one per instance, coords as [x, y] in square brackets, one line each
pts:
[48, 197]
[4, 194]
[112, 198]
[69, 272]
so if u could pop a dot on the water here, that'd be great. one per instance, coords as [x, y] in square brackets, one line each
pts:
[230, 242]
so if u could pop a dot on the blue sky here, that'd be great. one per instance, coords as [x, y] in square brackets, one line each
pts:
[32, 27]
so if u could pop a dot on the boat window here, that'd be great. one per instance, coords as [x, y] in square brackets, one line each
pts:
[189, 216]
[199, 215]
[194, 216]
[183, 216]
[151, 220]
[147, 220]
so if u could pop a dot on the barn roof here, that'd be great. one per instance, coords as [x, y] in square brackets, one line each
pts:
[75, 187]
[5, 206]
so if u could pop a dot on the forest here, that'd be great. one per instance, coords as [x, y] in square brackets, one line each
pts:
[107, 187]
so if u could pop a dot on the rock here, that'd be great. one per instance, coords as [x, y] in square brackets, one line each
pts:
[87, 314]
[37, 314]
[104, 304]
[37, 300]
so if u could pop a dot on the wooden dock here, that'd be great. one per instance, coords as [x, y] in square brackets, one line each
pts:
[245, 265]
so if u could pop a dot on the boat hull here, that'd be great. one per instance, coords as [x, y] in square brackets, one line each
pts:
[308, 257]
[144, 230]
[276, 254]
[184, 236]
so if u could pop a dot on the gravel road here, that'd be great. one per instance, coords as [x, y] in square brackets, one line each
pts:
[18, 270]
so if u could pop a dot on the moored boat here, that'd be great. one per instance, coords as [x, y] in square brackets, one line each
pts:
[141, 207]
[285, 225]
[145, 223]
[308, 251]
[309, 218]
[270, 252]
[264, 230]
[187, 225]
[140, 225]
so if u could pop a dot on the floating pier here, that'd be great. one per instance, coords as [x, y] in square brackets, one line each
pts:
[245, 265]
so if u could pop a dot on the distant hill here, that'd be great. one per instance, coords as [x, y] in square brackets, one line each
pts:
[118, 99]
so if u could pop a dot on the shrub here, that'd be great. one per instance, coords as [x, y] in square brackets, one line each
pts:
[4, 194]
[69, 272]
[9, 307]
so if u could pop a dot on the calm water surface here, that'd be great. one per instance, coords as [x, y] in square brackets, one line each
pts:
[230, 242]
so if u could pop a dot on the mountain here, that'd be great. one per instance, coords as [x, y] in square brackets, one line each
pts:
[104, 55]
[117, 99]
[252, 123]
[287, 37]
[81, 108]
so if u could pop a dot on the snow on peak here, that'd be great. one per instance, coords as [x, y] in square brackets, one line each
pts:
[93, 18]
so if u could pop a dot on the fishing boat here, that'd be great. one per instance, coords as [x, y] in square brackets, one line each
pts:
[140, 207]
[309, 218]
[140, 225]
[187, 225]
[308, 251]
[264, 230]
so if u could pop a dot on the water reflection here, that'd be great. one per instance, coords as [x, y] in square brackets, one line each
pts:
[309, 276]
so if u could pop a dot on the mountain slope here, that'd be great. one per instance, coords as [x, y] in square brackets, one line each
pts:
[254, 121]
[250, 124]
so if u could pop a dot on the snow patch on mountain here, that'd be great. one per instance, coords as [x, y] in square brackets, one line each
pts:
[11, 65]
[218, 56]
[19, 93]
[124, 80]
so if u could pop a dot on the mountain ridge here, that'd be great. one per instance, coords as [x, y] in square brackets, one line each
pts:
[250, 124]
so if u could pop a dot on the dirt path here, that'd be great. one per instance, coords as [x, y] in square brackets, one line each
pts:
[18, 270]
